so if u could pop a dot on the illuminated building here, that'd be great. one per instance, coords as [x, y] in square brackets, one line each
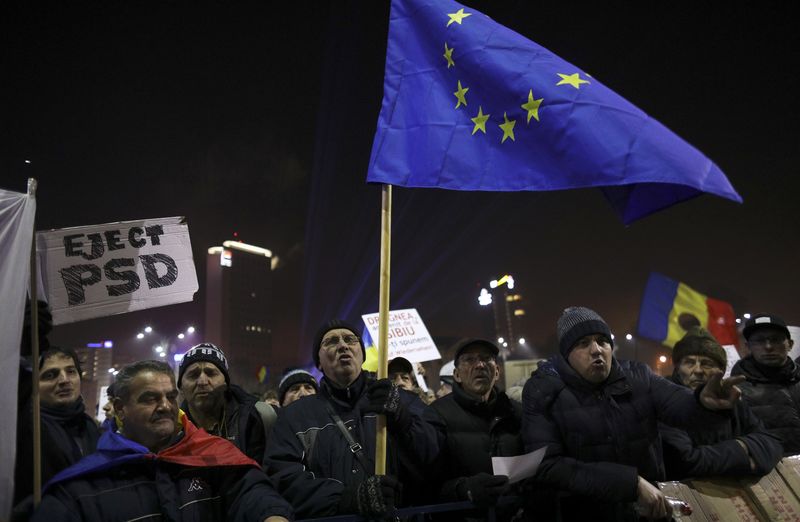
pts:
[238, 300]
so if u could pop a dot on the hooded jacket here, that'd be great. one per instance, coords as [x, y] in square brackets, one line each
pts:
[601, 438]
[701, 452]
[199, 477]
[310, 461]
[774, 396]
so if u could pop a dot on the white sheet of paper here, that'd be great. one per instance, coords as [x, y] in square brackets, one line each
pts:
[519, 467]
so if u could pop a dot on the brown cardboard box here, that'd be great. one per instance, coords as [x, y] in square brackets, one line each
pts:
[773, 497]
[725, 500]
[681, 491]
[789, 469]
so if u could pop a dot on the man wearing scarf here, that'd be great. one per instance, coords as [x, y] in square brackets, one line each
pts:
[313, 463]
[772, 389]
[160, 466]
[68, 433]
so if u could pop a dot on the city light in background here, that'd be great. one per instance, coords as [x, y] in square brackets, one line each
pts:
[163, 345]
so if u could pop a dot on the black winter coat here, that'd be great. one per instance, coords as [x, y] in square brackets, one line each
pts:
[475, 432]
[774, 396]
[67, 436]
[310, 462]
[157, 490]
[600, 438]
[243, 424]
[702, 452]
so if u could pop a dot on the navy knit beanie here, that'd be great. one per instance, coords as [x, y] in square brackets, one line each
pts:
[204, 352]
[577, 322]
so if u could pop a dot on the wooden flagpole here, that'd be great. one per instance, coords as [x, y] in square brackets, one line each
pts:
[37, 414]
[383, 319]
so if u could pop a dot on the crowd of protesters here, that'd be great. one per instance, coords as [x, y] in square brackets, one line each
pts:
[199, 447]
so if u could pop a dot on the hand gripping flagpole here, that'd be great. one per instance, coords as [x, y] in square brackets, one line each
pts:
[383, 319]
[37, 426]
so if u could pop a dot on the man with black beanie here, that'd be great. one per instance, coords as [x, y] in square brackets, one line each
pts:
[739, 447]
[772, 389]
[219, 407]
[598, 417]
[322, 453]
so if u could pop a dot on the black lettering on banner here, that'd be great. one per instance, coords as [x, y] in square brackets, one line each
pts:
[124, 275]
[72, 248]
[75, 278]
[97, 247]
[151, 274]
[134, 239]
[112, 240]
[153, 232]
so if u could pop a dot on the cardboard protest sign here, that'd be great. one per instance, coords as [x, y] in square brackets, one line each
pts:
[408, 336]
[109, 269]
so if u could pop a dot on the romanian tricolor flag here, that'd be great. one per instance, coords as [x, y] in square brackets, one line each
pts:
[670, 308]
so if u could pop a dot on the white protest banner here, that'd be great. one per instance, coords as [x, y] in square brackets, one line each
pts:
[17, 214]
[408, 336]
[102, 270]
[794, 333]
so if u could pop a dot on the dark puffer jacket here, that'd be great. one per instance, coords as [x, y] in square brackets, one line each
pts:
[774, 396]
[475, 433]
[310, 461]
[600, 438]
[701, 452]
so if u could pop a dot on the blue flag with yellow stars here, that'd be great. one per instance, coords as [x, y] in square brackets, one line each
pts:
[471, 105]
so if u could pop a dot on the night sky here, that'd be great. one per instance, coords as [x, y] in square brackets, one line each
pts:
[258, 119]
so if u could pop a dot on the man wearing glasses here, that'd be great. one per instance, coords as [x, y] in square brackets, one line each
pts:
[772, 389]
[321, 455]
[480, 422]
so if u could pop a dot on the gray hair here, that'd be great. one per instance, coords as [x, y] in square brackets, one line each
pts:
[122, 383]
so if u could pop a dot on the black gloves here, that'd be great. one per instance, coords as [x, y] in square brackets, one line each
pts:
[373, 498]
[482, 489]
[384, 397]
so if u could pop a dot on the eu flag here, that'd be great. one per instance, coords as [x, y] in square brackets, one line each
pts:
[471, 105]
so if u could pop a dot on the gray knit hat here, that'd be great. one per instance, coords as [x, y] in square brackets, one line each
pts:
[577, 322]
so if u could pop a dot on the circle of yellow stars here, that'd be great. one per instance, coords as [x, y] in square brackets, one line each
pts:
[531, 105]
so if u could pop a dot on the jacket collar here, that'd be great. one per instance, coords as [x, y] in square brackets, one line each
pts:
[615, 384]
[789, 373]
[345, 396]
[474, 405]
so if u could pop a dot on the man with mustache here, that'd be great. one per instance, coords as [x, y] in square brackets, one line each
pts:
[219, 407]
[740, 447]
[68, 433]
[322, 451]
[598, 417]
[772, 389]
[159, 465]
[479, 422]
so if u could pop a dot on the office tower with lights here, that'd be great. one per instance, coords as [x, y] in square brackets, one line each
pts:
[238, 308]
[507, 308]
